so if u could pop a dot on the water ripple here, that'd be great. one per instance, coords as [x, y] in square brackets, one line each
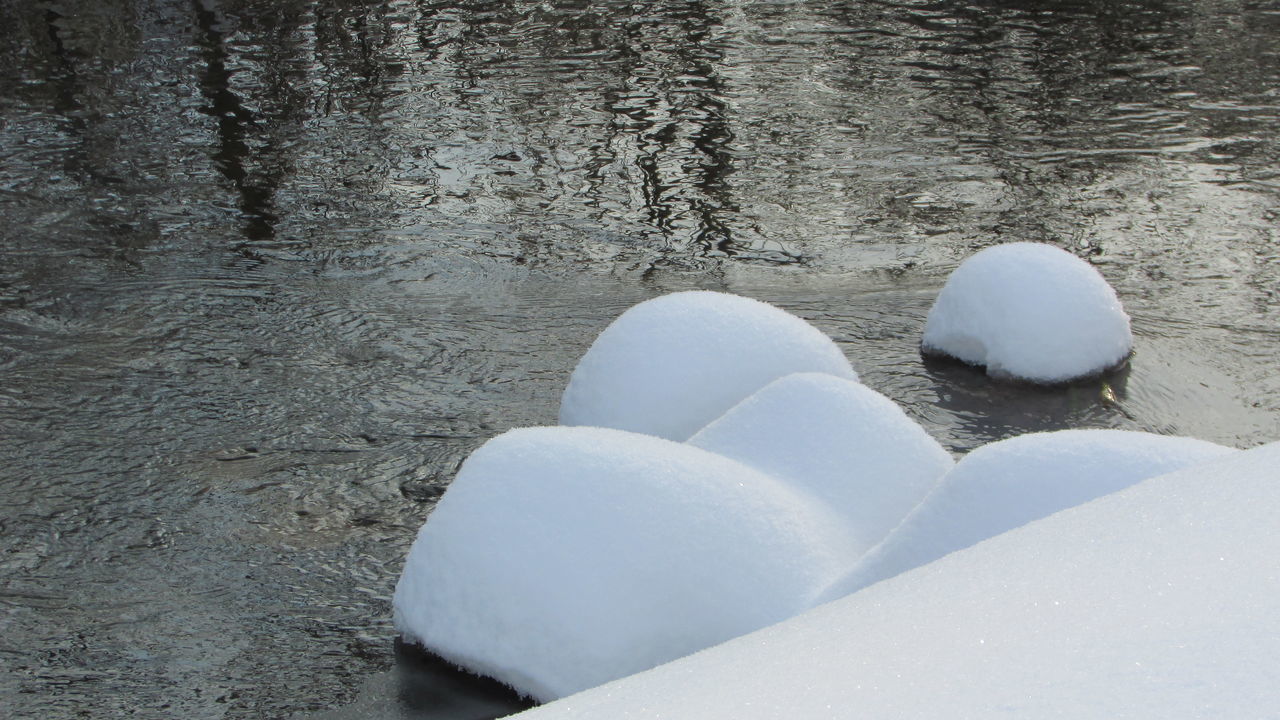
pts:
[270, 270]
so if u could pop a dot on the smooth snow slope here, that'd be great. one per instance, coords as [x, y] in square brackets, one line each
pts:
[1009, 483]
[1159, 601]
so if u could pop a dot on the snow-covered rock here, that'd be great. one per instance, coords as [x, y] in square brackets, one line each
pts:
[670, 365]
[1010, 483]
[1159, 601]
[561, 558]
[838, 440]
[1029, 311]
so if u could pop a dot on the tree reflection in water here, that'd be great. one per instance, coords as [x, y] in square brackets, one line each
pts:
[269, 269]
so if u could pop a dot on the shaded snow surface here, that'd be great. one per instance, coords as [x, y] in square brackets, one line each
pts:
[561, 558]
[1006, 484]
[1159, 601]
[838, 440]
[1029, 311]
[670, 365]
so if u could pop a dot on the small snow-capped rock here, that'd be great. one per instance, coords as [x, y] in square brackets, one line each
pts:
[1029, 311]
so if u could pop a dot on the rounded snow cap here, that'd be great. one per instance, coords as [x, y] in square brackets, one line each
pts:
[562, 558]
[1029, 311]
[670, 365]
[837, 440]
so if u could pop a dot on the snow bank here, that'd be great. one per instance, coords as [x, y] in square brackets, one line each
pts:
[838, 440]
[561, 558]
[1010, 483]
[670, 365]
[1029, 311]
[1157, 601]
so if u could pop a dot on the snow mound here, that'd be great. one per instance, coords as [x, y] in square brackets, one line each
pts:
[1157, 601]
[561, 558]
[1010, 483]
[670, 365]
[1029, 311]
[838, 440]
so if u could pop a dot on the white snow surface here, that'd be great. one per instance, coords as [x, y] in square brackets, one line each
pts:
[561, 558]
[1029, 311]
[1006, 484]
[838, 440]
[1158, 601]
[670, 365]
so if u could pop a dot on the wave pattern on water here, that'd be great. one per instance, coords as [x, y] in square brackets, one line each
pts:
[271, 269]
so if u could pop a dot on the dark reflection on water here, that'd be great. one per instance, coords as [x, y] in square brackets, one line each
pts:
[269, 270]
[235, 121]
[423, 686]
[980, 408]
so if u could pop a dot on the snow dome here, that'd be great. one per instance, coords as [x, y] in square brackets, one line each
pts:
[1029, 311]
[561, 558]
[1010, 483]
[838, 440]
[670, 365]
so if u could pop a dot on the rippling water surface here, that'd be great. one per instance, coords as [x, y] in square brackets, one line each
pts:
[270, 269]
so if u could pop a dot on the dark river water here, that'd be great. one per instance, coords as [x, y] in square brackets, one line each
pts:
[269, 269]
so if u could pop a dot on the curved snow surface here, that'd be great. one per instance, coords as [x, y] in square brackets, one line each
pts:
[1029, 311]
[561, 558]
[838, 440]
[1159, 601]
[1010, 483]
[670, 365]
